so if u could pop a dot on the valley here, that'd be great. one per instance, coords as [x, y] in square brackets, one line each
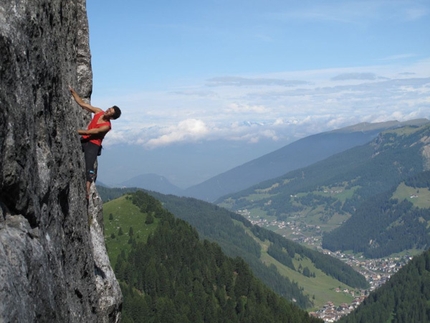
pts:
[308, 226]
[351, 222]
[376, 271]
[372, 200]
[307, 221]
[332, 300]
[137, 221]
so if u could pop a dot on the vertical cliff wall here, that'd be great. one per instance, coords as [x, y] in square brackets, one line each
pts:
[53, 263]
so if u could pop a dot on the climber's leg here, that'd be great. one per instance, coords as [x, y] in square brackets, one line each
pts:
[91, 150]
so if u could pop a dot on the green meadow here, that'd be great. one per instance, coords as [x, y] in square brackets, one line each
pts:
[123, 222]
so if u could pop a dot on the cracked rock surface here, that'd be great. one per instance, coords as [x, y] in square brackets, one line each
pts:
[53, 263]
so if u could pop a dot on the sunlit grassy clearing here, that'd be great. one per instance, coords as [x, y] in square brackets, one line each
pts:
[339, 193]
[258, 197]
[419, 197]
[124, 211]
[323, 287]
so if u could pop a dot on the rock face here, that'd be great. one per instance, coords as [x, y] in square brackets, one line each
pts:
[53, 263]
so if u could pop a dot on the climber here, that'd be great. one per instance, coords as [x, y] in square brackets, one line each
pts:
[92, 137]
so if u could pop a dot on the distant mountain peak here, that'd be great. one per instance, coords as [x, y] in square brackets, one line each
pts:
[152, 182]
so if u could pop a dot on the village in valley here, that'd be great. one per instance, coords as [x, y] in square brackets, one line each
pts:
[376, 271]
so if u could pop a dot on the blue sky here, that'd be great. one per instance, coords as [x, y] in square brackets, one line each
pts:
[253, 72]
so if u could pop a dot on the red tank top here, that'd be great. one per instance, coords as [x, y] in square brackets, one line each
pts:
[98, 138]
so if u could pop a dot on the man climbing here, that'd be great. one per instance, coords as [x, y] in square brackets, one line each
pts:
[92, 137]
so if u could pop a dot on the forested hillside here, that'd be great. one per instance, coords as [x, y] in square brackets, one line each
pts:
[220, 225]
[361, 184]
[107, 193]
[169, 275]
[296, 273]
[382, 226]
[403, 299]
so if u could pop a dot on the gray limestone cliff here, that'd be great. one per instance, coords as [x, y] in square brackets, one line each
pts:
[53, 262]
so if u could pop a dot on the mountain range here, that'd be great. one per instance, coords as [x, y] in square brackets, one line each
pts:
[152, 182]
[371, 199]
[300, 153]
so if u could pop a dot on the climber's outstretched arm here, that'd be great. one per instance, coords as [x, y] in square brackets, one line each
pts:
[83, 104]
[94, 131]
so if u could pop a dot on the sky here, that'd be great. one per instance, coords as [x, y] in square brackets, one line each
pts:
[241, 78]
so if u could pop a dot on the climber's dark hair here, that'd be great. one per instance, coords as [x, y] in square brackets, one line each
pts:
[117, 113]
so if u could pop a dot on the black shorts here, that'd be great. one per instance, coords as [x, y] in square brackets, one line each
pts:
[91, 151]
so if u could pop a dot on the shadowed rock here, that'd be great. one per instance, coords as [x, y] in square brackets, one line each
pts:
[53, 264]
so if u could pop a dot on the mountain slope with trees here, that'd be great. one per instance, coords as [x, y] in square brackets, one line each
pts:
[382, 226]
[238, 237]
[298, 154]
[355, 187]
[168, 274]
[403, 299]
[292, 271]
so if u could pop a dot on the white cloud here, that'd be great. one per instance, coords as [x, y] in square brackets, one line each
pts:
[327, 99]
[201, 93]
[258, 81]
[278, 122]
[397, 57]
[190, 129]
[355, 76]
[246, 108]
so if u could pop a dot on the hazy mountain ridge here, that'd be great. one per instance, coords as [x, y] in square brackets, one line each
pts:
[298, 154]
[152, 182]
[336, 188]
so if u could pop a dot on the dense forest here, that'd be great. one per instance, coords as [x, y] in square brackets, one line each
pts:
[220, 225]
[382, 226]
[419, 180]
[403, 299]
[108, 194]
[176, 277]
[214, 222]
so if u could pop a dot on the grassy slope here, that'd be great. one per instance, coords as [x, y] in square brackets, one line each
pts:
[419, 197]
[124, 215]
[308, 215]
[322, 286]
